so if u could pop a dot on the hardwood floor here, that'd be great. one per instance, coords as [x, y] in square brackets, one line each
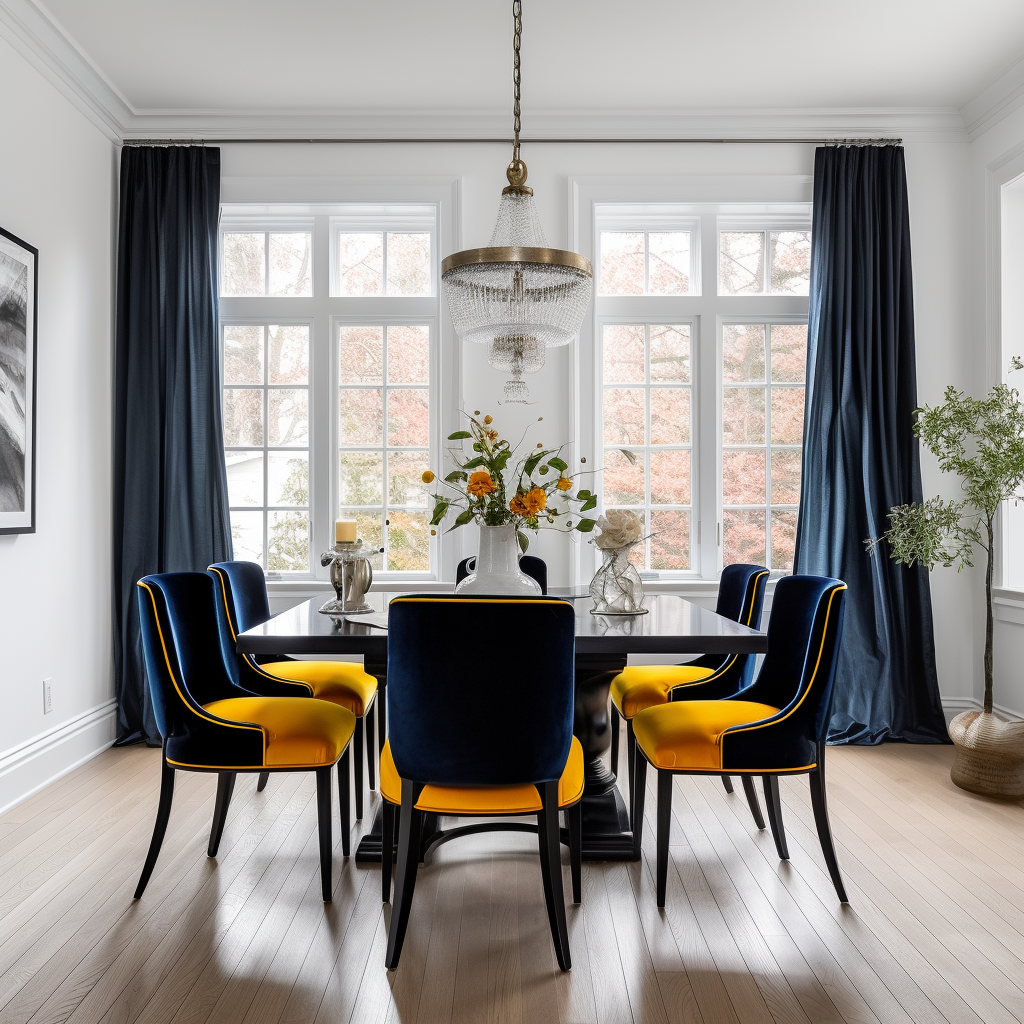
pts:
[934, 931]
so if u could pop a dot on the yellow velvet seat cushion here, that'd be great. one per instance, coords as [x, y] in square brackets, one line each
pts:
[645, 686]
[340, 682]
[688, 734]
[484, 800]
[300, 732]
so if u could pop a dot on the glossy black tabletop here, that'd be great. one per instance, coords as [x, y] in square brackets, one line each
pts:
[673, 625]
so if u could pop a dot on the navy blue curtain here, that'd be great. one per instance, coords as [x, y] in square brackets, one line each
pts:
[860, 454]
[170, 488]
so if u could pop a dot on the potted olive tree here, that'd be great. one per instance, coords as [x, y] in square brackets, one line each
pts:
[981, 440]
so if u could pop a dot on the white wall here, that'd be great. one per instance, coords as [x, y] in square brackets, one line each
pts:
[57, 192]
[940, 221]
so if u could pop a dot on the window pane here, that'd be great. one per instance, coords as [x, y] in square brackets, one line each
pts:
[408, 416]
[408, 355]
[408, 263]
[743, 352]
[244, 257]
[369, 529]
[670, 415]
[623, 475]
[361, 478]
[786, 477]
[243, 355]
[791, 262]
[289, 354]
[288, 478]
[289, 417]
[743, 477]
[741, 263]
[243, 417]
[624, 415]
[405, 483]
[245, 477]
[408, 541]
[361, 355]
[361, 416]
[288, 542]
[623, 352]
[743, 537]
[670, 352]
[743, 415]
[622, 263]
[670, 539]
[291, 263]
[670, 478]
[247, 536]
[669, 263]
[783, 540]
[360, 263]
[787, 415]
[789, 352]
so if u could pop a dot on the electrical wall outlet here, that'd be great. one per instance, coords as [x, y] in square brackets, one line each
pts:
[47, 696]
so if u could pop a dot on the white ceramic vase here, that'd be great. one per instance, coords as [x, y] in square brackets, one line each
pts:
[497, 566]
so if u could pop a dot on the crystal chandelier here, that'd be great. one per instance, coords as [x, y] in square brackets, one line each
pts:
[517, 296]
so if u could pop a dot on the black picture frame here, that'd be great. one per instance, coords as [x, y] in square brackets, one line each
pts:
[19, 304]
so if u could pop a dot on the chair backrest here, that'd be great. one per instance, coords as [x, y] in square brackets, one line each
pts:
[534, 567]
[798, 671]
[243, 593]
[741, 593]
[480, 690]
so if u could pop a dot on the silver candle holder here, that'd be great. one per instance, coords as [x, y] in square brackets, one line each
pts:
[351, 576]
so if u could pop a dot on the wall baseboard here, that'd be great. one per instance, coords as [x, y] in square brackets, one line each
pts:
[953, 706]
[29, 767]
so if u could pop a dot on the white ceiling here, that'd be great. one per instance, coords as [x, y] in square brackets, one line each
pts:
[454, 56]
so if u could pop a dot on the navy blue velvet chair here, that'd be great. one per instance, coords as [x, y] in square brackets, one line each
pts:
[455, 749]
[710, 677]
[212, 721]
[535, 568]
[243, 604]
[776, 726]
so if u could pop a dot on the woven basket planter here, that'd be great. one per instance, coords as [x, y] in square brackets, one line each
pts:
[989, 754]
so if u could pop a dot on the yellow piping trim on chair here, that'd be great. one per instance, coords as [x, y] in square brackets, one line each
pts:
[807, 690]
[257, 767]
[185, 700]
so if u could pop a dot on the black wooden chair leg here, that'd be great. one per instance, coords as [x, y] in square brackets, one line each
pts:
[574, 819]
[409, 824]
[344, 802]
[818, 802]
[631, 756]
[225, 787]
[665, 781]
[368, 718]
[614, 755]
[752, 801]
[163, 813]
[727, 782]
[636, 812]
[774, 807]
[262, 783]
[387, 848]
[358, 767]
[551, 871]
[323, 813]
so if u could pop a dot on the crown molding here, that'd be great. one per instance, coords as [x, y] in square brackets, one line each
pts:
[999, 100]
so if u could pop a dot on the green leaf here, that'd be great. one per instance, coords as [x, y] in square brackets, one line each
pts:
[583, 493]
[440, 509]
[459, 435]
[590, 503]
[586, 525]
[531, 463]
[524, 541]
[544, 470]
[455, 475]
[464, 517]
[560, 464]
[474, 463]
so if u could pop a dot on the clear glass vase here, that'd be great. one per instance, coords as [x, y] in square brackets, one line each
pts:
[497, 566]
[616, 587]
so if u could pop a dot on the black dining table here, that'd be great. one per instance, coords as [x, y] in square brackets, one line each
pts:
[672, 625]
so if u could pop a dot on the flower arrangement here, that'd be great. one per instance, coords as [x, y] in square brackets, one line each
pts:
[536, 492]
[616, 587]
[618, 528]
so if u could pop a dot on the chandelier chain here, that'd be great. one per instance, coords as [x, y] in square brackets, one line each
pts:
[517, 33]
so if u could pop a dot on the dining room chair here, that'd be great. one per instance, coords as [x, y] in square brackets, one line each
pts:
[212, 723]
[776, 726]
[709, 677]
[534, 567]
[243, 604]
[455, 749]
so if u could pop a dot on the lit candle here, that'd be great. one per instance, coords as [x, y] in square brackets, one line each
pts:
[345, 531]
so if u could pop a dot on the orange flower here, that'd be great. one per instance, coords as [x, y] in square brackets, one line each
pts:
[480, 484]
[428, 477]
[564, 483]
[518, 506]
[535, 500]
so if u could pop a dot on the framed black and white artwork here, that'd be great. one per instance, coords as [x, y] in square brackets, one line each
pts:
[18, 299]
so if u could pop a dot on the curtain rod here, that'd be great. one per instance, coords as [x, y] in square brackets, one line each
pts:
[508, 142]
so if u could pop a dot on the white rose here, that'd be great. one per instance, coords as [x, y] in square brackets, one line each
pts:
[618, 527]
